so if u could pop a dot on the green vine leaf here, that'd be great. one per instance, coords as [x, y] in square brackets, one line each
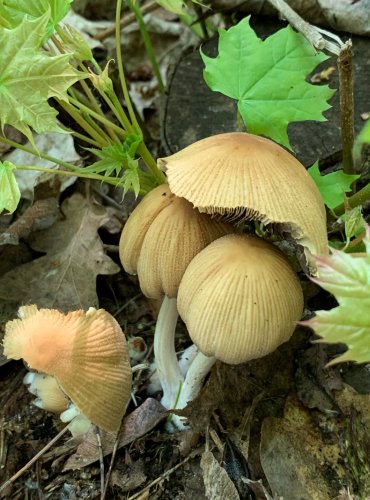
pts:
[9, 190]
[29, 77]
[347, 277]
[332, 186]
[12, 12]
[267, 78]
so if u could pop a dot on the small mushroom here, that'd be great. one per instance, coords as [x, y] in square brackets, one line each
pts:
[160, 238]
[85, 352]
[50, 396]
[244, 176]
[240, 299]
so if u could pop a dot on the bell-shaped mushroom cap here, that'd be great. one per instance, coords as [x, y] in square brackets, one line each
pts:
[242, 175]
[138, 223]
[85, 351]
[176, 235]
[240, 299]
[160, 246]
[50, 396]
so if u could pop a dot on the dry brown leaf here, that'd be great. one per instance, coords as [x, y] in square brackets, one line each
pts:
[65, 277]
[216, 481]
[128, 477]
[135, 425]
[41, 215]
[297, 462]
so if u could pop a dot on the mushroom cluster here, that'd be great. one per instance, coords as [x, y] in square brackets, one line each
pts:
[159, 240]
[237, 294]
[80, 364]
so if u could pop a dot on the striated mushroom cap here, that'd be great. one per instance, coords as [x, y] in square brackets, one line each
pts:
[240, 299]
[241, 175]
[160, 243]
[85, 351]
[138, 223]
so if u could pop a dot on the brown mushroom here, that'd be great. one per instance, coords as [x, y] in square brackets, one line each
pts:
[86, 352]
[240, 299]
[160, 238]
[241, 175]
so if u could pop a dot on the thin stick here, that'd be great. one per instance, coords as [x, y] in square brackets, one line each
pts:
[312, 33]
[163, 476]
[127, 20]
[101, 461]
[38, 455]
[345, 69]
[110, 470]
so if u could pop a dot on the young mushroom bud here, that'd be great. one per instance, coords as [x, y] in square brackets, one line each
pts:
[243, 176]
[240, 299]
[160, 238]
[85, 352]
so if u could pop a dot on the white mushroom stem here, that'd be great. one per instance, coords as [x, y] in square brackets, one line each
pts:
[187, 357]
[192, 385]
[167, 365]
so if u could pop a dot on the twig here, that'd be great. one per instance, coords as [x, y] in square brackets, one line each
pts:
[127, 20]
[345, 67]
[101, 462]
[33, 459]
[163, 476]
[110, 470]
[312, 33]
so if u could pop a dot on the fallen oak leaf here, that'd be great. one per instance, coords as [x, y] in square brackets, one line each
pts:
[64, 278]
[136, 424]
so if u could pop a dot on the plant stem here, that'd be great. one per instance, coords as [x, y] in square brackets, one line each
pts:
[111, 127]
[82, 137]
[359, 198]
[345, 66]
[71, 167]
[165, 357]
[151, 164]
[109, 180]
[73, 112]
[127, 20]
[121, 71]
[147, 42]
[114, 104]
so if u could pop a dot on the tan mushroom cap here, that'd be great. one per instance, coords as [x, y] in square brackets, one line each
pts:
[85, 351]
[240, 299]
[162, 249]
[46, 388]
[138, 223]
[242, 175]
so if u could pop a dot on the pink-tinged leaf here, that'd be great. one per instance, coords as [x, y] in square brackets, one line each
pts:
[347, 277]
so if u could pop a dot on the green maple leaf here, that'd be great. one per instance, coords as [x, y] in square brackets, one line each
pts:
[267, 78]
[332, 186]
[131, 178]
[9, 190]
[362, 139]
[29, 77]
[115, 157]
[347, 277]
[12, 12]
